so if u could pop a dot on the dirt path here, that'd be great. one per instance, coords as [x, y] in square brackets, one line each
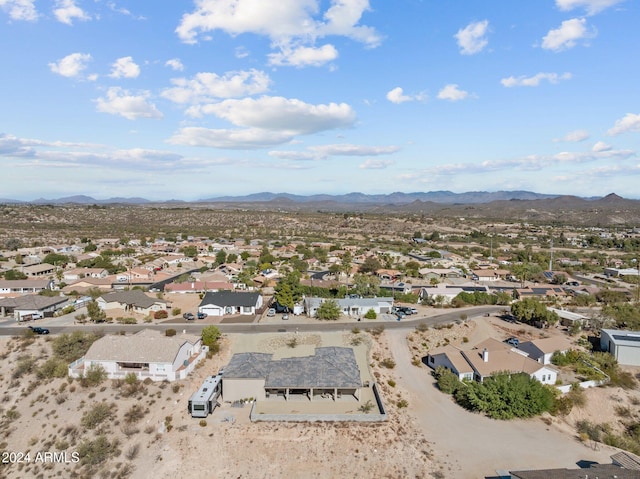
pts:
[473, 446]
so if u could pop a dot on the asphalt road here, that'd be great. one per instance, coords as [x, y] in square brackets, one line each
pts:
[451, 315]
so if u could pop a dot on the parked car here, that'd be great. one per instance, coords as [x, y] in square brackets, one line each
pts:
[271, 312]
[201, 315]
[188, 316]
[285, 316]
[513, 341]
[38, 330]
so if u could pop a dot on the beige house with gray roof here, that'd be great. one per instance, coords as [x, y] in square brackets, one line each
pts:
[147, 354]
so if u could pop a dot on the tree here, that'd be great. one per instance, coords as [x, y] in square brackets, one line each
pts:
[12, 244]
[244, 255]
[210, 335]
[365, 285]
[559, 279]
[370, 265]
[221, 256]
[90, 247]
[96, 314]
[329, 310]
[232, 258]
[190, 251]
[13, 274]
[284, 295]
[531, 311]
[371, 314]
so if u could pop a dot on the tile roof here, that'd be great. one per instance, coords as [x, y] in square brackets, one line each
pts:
[134, 297]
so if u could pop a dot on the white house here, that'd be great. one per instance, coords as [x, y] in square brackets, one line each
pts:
[352, 306]
[147, 354]
[134, 300]
[488, 358]
[220, 303]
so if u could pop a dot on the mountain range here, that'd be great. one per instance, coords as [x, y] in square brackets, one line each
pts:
[396, 198]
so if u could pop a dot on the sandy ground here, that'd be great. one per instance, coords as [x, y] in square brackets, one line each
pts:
[430, 437]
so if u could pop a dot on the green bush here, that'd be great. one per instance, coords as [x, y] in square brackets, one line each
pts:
[99, 413]
[448, 382]
[371, 314]
[93, 376]
[70, 347]
[170, 332]
[95, 452]
[52, 368]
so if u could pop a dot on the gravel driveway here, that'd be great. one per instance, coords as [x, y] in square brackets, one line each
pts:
[473, 446]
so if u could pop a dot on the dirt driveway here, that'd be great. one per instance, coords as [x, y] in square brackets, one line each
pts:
[474, 446]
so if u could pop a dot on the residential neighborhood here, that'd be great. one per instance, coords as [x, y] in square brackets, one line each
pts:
[302, 331]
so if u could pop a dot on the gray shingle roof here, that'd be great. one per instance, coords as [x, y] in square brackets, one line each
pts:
[330, 367]
[134, 297]
[32, 301]
[230, 298]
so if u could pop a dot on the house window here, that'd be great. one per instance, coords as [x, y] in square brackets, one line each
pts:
[246, 309]
[432, 359]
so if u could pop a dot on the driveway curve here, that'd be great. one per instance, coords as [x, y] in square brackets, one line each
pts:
[470, 445]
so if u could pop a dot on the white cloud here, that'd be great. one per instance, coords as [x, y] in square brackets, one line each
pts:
[206, 87]
[451, 92]
[175, 64]
[124, 67]
[397, 96]
[244, 139]
[241, 52]
[591, 6]
[121, 102]
[601, 146]
[264, 122]
[67, 11]
[303, 56]
[567, 35]
[282, 114]
[575, 136]
[72, 65]
[630, 122]
[535, 80]
[375, 164]
[472, 38]
[323, 152]
[293, 27]
[20, 9]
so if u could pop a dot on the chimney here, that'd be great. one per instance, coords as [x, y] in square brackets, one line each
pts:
[485, 355]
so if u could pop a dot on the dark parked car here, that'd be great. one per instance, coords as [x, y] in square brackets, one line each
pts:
[202, 315]
[513, 341]
[38, 330]
[188, 316]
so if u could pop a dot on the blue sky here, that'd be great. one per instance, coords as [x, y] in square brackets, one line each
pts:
[189, 100]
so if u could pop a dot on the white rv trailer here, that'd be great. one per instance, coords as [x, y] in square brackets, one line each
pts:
[205, 399]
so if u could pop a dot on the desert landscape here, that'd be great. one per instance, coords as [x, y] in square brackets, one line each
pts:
[127, 430]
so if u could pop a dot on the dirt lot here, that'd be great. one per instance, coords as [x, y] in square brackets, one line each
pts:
[427, 435]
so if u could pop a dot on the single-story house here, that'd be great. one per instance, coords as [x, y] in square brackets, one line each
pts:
[490, 274]
[43, 269]
[401, 288]
[220, 303]
[352, 306]
[446, 293]
[488, 358]
[22, 307]
[567, 318]
[623, 345]
[440, 273]
[331, 372]
[198, 287]
[147, 354]
[79, 273]
[82, 285]
[23, 286]
[541, 350]
[134, 300]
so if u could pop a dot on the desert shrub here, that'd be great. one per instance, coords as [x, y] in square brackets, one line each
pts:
[97, 451]
[355, 330]
[70, 347]
[52, 368]
[402, 403]
[422, 327]
[128, 320]
[391, 383]
[371, 314]
[377, 331]
[68, 310]
[366, 407]
[93, 376]
[202, 423]
[24, 365]
[162, 314]
[210, 335]
[176, 311]
[97, 414]
[448, 382]
[170, 332]
[132, 452]
[388, 363]
[135, 413]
